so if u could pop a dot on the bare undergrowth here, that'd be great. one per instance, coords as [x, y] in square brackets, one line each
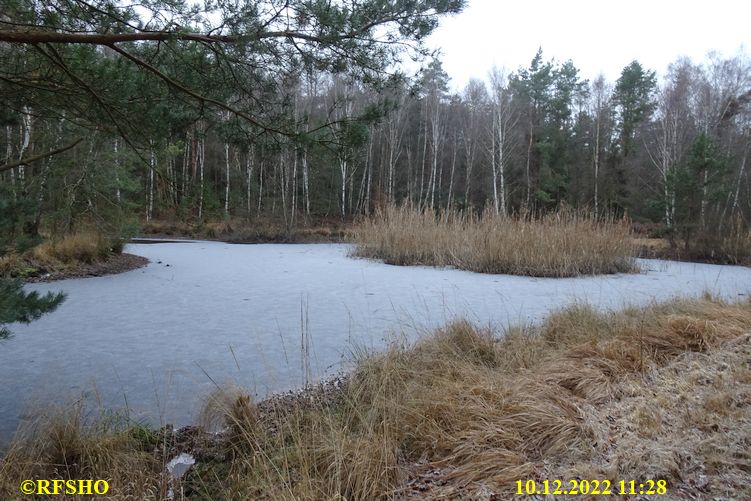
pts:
[258, 230]
[659, 392]
[564, 244]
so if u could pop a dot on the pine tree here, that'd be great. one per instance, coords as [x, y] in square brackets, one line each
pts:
[16, 305]
[634, 98]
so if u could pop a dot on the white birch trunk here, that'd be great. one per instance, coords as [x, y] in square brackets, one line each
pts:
[226, 179]
[117, 171]
[260, 187]
[451, 178]
[152, 166]
[26, 125]
[201, 159]
[493, 166]
[597, 164]
[306, 186]
[248, 178]
[8, 158]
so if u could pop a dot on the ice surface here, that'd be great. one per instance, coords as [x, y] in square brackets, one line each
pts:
[155, 340]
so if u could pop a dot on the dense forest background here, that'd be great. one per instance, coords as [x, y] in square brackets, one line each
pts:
[198, 130]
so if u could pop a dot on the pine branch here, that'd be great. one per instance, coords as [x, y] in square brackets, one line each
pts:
[28, 160]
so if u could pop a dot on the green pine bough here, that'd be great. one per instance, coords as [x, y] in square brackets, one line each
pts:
[16, 305]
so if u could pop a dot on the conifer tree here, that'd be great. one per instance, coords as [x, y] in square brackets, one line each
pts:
[16, 305]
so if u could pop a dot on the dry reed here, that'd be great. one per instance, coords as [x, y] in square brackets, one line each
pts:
[84, 247]
[563, 244]
[72, 443]
[61, 254]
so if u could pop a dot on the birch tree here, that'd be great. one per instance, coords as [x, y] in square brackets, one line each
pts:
[504, 120]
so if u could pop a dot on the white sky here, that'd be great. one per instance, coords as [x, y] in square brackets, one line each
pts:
[598, 35]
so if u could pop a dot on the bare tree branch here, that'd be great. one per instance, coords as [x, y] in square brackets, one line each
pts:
[28, 160]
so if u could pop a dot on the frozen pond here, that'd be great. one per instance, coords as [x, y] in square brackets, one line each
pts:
[156, 339]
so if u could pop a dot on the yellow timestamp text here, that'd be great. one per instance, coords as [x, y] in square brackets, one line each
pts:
[59, 486]
[591, 487]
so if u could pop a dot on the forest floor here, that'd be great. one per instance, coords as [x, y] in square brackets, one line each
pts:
[657, 393]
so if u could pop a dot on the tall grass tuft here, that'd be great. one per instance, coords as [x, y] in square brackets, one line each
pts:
[73, 443]
[567, 243]
[84, 247]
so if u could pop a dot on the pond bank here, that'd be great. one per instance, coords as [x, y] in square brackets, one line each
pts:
[114, 264]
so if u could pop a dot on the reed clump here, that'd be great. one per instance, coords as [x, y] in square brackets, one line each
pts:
[566, 243]
[82, 247]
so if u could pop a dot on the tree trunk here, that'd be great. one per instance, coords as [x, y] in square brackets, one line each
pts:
[248, 178]
[424, 153]
[8, 158]
[186, 163]
[597, 163]
[260, 187]
[493, 167]
[294, 185]
[369, 169]
[226, 179]
[741, 170]
[117, 171]
[26, 126]
[306, 186]
[152, 166]
[34, 230]
[529, 160]
[201, 160]
[451, 178]
[343, 173]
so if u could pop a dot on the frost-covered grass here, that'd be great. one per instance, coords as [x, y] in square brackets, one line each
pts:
[563, 244]
[658, 392]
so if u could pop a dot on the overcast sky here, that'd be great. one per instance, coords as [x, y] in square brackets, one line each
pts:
[598, 35]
